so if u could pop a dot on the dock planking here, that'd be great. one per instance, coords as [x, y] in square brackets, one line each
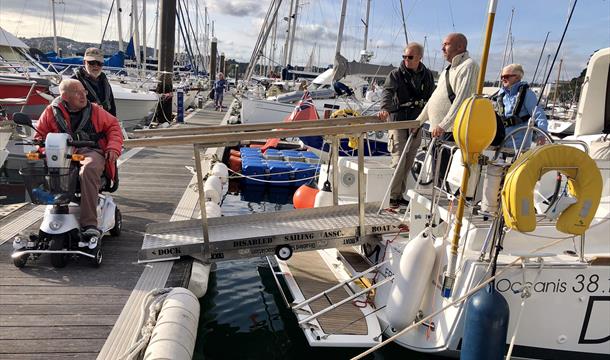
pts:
[48, 313]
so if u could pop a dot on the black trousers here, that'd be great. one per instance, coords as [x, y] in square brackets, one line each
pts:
[443, 155]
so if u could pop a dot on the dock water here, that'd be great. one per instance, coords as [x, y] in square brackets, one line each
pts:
[80, 312]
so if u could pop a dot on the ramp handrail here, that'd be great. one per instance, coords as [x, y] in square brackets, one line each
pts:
[221, 138]
[253, 127]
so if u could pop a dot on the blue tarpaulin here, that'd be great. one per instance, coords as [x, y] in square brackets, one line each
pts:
[116, 60]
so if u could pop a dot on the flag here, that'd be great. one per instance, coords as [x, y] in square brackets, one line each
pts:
[304, 110]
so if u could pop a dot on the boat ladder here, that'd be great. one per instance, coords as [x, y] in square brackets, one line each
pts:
[299, 306]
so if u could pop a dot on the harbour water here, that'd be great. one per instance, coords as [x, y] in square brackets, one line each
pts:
[243, 315]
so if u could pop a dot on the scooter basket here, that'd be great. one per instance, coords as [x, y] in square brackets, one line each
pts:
[50, 186]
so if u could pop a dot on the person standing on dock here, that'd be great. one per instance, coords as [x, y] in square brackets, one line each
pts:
[515, 103]
[405, 93]
[95, 81]
[456, 83]
[73, 114]
[219, 89]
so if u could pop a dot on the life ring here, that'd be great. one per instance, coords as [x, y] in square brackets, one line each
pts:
[584, 183]
[353, 141]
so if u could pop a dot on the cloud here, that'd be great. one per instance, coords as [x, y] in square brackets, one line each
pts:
[251, 8]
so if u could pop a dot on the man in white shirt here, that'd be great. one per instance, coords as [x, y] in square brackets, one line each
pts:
[455, 84]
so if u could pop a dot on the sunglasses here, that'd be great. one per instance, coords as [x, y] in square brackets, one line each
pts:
[410, 57]
[508, 76]
[94, 63]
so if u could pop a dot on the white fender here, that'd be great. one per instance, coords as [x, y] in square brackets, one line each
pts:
[212, 209]
[323, 198]
[412, 278]
[176, 330]
[219, 169]
[212, 188]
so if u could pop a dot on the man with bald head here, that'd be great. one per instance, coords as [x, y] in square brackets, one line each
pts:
[456, 83]
[73, 114]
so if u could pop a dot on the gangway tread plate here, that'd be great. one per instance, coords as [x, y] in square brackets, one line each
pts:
[262, 234]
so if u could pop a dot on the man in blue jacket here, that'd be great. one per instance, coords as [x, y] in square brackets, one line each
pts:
[515, 102]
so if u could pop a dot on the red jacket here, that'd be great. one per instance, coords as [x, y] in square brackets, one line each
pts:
[103, 122]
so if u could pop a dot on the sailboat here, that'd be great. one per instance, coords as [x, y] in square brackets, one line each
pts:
[546, 258]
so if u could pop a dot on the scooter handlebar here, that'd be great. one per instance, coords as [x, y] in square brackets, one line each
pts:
[82, 143]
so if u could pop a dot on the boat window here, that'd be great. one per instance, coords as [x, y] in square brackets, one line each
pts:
[11, 60]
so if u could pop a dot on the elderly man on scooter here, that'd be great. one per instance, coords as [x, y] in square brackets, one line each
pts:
[72, 113]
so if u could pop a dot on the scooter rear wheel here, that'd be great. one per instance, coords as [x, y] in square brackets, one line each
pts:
[118, 223]
[57, 260]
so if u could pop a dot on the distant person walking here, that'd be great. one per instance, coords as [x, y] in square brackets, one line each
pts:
[515, 103]
[219, 88]
[95, 81]
[456, 83]
[405, 93]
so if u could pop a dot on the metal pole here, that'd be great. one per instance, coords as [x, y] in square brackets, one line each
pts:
[167, 27]
[156, 45]
[510, 25]
[119, 23]
[366, 25]
[144, 33]
[450, 274]
[540, 57]
[213, 51]
[335, 163]
[294, 30]
[55, 47]
[204, 216]
[285, 62]
[488, 30]
[361, 180]
[136, 31]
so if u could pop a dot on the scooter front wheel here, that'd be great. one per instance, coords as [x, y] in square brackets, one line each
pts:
[97, 260]
[20, 261]
[57, 243]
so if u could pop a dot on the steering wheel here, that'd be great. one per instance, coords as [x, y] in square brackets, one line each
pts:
[509, 147]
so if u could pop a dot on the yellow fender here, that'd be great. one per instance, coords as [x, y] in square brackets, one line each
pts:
[353, 141]
[474, 127]
[584, 183]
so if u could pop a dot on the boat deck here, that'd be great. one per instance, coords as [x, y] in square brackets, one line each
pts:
[80, 312]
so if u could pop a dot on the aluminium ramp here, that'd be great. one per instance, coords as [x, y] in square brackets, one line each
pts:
[253, 235]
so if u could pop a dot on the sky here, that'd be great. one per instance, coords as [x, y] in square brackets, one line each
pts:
[237, 24]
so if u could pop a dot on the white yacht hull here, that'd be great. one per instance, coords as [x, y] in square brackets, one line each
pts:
[132, 110]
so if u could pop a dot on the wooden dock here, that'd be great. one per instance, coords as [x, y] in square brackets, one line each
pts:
[69, 313]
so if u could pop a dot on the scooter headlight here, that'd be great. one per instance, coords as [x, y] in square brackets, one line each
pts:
[93, 242]
[55, 225]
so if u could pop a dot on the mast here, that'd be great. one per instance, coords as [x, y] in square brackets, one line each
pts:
[136, 34]
[156, 45]
[285, 62]
[540, 57]
[144, 31]
[119, 23]
[167, 26]
[341, 25]
[404, 24]
[55, 47]
[557, 85]
[508, 36]
[294, 30]
[365, 56]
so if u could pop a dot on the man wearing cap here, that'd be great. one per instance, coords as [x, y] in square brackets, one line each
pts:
[95, 81]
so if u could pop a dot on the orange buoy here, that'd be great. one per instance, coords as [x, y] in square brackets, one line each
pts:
[235, 163]
[304, 197]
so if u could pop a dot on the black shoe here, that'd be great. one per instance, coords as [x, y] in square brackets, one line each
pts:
[395, 203]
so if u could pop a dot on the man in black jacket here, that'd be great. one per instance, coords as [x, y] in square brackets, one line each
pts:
[405, 92]
[95, 81]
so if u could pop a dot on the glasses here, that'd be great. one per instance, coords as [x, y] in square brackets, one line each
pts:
[94, 63]
[507, 76]
[410, 57]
